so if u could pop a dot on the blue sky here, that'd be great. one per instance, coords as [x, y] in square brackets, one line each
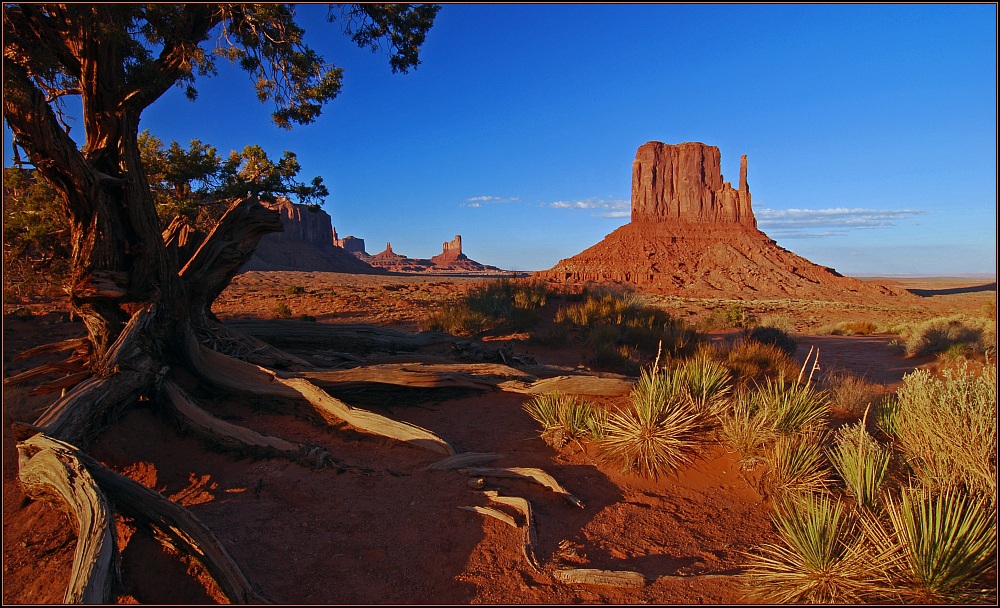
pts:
[870, 129]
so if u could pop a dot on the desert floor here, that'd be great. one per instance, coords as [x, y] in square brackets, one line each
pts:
[383, 529]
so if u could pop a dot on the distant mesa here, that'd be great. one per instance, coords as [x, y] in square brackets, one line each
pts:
[306, 244]
[309, 242]
[450, 260]
[693, 234]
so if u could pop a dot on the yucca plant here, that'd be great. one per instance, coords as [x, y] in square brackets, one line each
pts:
[790, 407]
[708, 383]
[564, 418]
[796, 464]
[744, 431]
[861, 461]
[941, 548]
[658, 432]
[821, 558]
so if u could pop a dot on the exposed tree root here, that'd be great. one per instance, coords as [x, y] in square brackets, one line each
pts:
[54, 347]
[237, 438]
[529, 533]
[51, 472]
[186, 532]
[465, 459]
[537, 475]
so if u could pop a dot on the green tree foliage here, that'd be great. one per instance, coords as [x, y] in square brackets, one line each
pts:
[35, 235]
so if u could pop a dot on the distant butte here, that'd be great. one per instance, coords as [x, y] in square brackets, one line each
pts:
[450, 260]
[693, 234]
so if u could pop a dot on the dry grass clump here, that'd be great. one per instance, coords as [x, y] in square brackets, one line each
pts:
[848, 328]
[503, 303]
[753, 362]
[850, 394]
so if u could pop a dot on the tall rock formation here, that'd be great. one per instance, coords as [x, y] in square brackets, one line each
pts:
[693, 234]
[307, 244]
[684, 182]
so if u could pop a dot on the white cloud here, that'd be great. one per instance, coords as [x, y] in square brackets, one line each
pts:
[478, 201]
[612, 207]
[837, 221]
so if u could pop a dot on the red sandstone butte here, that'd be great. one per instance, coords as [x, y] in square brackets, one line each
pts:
[693, 234]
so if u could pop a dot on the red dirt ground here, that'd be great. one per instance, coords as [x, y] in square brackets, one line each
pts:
[386, 530]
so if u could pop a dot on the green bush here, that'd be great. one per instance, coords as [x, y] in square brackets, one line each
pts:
[282, 311]
[862, 463]
[294, 290]
[796, 464]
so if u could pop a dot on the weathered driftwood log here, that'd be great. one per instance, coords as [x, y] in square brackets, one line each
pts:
[54, 347]
[51, 472]
[607, 578]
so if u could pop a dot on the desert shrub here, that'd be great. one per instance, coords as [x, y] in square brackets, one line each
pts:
[796, 464]
[564, 418]
[623, 332]
[940, 548]
[305, 317]
[658, 431]
[947, 428]
[850, 394]
[282, 311]
[848, 328]
[862, 463]
[23, 313]
[937, 335]
[731, 315]
[772, 335]
[820, 558]
[750, 361]
[294, 290]
[554, 337]
[778, 321]
[499, 304]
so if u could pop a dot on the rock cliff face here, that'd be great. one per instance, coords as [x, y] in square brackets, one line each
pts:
[307, 243]
[692, 234]
[684, 182]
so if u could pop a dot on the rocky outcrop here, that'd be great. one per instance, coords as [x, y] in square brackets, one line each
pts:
[684, 182]
[692, 234]
[306, 243]
[350, 244]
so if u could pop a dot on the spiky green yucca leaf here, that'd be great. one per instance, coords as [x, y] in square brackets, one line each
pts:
[563, 417]
[791, 408]
[945, 542]
[861, 461]
[658, 432]
[744, 430]
[821, 558]
[708, 383]
[796, 464]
